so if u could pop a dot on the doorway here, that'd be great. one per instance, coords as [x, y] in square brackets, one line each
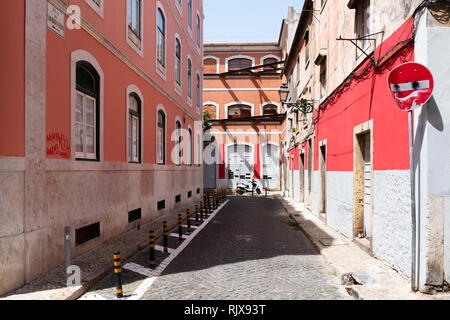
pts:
[309, 164]
[363, 184]
[323, 179]
[292, 193]
[302, 177]
[240, 164]
[271, 166]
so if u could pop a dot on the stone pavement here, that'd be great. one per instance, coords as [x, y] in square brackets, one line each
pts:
[94, 265]
[250, 250]
[379, 281]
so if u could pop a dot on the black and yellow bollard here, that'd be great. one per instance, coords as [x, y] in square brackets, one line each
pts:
[180, 228]
[165, 237]
[151, 245]
[201, 211]
[188, 218]
[197, 222]
[118, 274]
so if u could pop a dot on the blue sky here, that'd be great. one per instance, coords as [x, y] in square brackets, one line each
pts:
[254, 21]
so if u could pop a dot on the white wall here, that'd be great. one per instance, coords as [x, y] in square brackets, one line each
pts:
[432, 155]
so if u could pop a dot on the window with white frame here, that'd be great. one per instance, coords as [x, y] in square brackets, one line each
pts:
[306, 40]
[190, 14]
[189, 78]
[161, 138]
[134, 127]
[179, 5]
[87, 112]
[97, 6]
[190, 147]
[239, 111]
[178, 142]
[198, 93]
[161, 40]
[323, 78]
[134, 34]
[199, 151]
[362, 23]
[267, 66]
[269, 109]
[177, 62]
[134, 16]
[239, 63]
[198, 31]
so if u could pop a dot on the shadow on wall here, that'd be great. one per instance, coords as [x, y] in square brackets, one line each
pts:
[433, 116]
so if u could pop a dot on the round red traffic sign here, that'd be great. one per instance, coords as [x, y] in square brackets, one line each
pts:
[411, 85]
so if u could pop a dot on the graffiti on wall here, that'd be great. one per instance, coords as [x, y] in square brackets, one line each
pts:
[58, 146]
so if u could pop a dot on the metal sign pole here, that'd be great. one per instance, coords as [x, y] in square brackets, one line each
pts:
[411, 85]
[413, 202]
[67, 250]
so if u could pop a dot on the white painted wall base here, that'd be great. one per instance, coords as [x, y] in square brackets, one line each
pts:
[340, 202]
[392, 219]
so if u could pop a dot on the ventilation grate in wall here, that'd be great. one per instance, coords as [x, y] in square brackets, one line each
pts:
[87, 233]
[134, 215]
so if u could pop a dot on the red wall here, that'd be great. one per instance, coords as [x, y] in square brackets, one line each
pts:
[366, 98]
[12, 78]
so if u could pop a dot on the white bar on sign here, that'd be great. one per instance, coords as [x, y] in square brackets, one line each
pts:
[410, 86]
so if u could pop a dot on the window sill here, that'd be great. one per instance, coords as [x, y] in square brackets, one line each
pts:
[99, 9]
[160, 70]
[177, 88]
[87, 160]
[180, 10]
[134, 42]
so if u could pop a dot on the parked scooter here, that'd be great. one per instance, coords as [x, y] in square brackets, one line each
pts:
[243, 188]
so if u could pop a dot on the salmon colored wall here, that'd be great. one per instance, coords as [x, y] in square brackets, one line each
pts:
[117, 77]
[12, 78]
[255, 97]
[113, 27]
[257, 55]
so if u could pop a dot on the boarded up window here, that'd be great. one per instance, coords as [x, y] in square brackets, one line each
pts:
[269, 61]
[210, 66]
[239, 63]
[239, 111]
[211, 110]
[270, 109]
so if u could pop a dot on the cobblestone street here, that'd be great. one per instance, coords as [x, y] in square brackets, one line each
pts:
[249, 250]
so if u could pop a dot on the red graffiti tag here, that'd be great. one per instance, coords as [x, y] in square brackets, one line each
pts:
[58, 146]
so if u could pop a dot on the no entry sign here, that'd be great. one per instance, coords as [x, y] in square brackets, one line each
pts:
[411, 85]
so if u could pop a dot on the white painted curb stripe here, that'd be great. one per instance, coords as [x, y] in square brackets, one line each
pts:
[161, 248]
[176, 235]
[154, 274]
[92, 296]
